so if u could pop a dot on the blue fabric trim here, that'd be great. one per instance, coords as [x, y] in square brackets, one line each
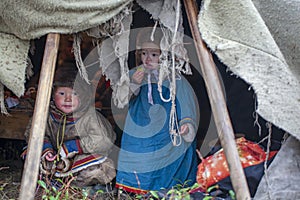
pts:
[71, 146]
[47, 145]
[89, 163]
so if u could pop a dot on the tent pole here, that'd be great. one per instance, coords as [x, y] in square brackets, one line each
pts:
[37, 132]
[218, 105]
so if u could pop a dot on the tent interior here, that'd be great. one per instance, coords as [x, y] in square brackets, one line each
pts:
[240, 99]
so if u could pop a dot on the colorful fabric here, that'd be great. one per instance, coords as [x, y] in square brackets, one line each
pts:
[96, 175]
[214, 168]
[58, 118]
[71, 146]
[147, 159]
[81, 163]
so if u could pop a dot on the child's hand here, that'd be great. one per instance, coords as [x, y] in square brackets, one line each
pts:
[47, 162]
[184, 129]
[138, 76]
[50, 157]
[63, 165]
[188, 132]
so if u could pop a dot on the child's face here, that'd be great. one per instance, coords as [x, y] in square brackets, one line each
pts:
[66, 99]
[150, 55]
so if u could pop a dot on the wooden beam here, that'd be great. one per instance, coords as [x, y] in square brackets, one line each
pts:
[14, 125]
[34, 151]
[218, 105]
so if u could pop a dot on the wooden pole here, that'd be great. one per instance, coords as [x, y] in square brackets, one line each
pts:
[218, 105]
[34, 151]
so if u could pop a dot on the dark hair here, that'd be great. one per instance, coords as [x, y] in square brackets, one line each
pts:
[67, 75]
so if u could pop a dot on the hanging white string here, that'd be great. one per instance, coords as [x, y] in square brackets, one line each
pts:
[153, 31]
[77, 53]
[164, 63]
[150, 99]
[173, 123]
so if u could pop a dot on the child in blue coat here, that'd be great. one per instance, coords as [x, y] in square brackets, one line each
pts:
[148, 159]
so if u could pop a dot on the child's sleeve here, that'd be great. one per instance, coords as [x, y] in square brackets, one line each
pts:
[47, 146]
[98, 136]
[187, 107]
[190, 136]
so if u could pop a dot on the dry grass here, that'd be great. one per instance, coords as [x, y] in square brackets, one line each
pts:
[11, 174]
[10, 181]
[11, 167]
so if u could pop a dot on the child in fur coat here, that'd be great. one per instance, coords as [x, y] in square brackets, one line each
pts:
[78, 139]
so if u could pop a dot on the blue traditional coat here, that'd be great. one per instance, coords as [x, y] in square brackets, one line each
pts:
[148, 160]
